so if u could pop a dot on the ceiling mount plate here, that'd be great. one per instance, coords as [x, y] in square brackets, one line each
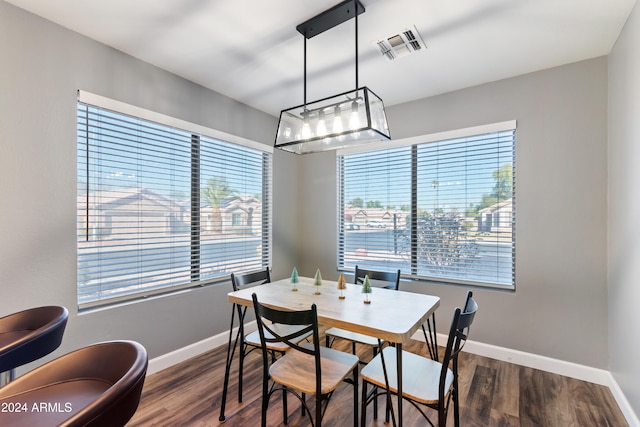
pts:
[330, 18]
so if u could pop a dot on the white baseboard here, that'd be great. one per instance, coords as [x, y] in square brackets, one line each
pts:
[560, 367]
[555, 366]
[623, 403]
[185, 353]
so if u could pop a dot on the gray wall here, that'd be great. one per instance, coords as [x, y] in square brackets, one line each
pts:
[624, 209]
[559, 308]
[42, 67]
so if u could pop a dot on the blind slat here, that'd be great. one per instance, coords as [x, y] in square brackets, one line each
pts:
[454, 223]
[136, 207]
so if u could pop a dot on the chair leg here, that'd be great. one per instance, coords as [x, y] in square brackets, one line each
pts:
[430, 338]
[456, 409]
[242, 349]
[435, 337]
[318, 422]
[387, 412]
[375, 400]
[355, 396]
[363, 415]
[285, 409]
[265, 402]
[240, 368]
[230, 353]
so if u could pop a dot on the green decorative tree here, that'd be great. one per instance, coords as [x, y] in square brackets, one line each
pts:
[294, 279]
[317, 281]
[342, 285]
[366, 289]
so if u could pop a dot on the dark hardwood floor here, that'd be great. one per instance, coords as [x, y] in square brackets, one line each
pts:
[493, 393]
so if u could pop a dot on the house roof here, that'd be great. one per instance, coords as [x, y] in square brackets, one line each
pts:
[497, 206]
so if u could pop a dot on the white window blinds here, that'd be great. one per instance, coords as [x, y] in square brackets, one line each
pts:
[442, 210]
[162, 208]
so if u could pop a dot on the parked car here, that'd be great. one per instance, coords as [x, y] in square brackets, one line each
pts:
[376, 224]
[348, 225]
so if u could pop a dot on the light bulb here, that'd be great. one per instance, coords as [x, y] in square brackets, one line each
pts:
[322, 127]
[354, 120]
[306, 129]
[337, 121]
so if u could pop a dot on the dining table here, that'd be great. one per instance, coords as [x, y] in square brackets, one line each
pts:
[389, 315]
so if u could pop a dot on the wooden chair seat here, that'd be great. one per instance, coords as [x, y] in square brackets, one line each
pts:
[296, 370]
[305, 368]
[424, 381]
[352, 336]
[420, 375]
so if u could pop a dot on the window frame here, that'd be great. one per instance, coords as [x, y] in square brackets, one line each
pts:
[200, 133]
[414, 142]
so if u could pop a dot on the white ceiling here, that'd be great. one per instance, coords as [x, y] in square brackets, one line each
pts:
[250, 50]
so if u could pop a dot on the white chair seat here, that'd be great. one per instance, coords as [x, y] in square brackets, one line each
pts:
[420, 375]
[254, 337]
[352, 336]
[297, 370]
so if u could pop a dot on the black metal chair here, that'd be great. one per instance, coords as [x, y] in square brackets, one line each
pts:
[305, 369]
[30, 334]
[425, 381]
[392, 281]
[249, 342]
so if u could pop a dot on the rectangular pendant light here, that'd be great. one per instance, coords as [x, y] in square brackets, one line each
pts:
[347, 119]
[343, 120]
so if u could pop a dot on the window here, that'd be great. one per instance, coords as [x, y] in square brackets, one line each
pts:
[440, 207]
[164, 205]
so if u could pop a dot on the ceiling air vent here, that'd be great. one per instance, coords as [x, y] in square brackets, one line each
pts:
[401, 44]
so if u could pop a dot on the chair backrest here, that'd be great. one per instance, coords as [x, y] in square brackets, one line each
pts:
[122, 363]
[35, 333]
[306, 318]
[100, 385]
[259, 277]
[458, 335]
[383, 276]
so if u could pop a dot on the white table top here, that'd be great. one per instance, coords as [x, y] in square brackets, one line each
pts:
[392, 315]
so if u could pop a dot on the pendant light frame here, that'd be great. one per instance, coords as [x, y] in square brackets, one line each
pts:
[347, 119]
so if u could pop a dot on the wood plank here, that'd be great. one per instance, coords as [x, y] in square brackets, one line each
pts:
[189, 394]
[532, 398]
[558, 404]
[480, 396]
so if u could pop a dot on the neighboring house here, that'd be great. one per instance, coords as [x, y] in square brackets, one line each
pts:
[241, 215]
[496, 218]
[235, 215]
[114, 213]
[363, 216]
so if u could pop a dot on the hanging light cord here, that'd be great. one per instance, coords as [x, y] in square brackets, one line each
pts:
[305, 72]
[355, 10]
